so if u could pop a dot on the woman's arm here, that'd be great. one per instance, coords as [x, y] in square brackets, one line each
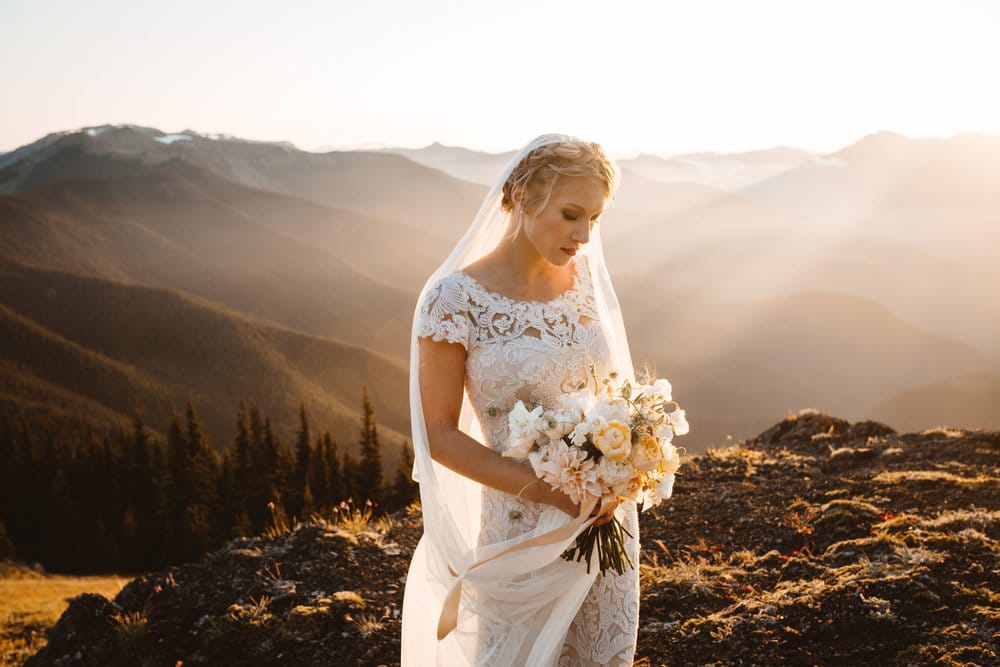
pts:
[442, 381]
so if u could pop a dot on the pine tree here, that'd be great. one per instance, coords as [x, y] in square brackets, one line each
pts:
[241, 459]
[193, 485]
[404, 489]
[9, 471]
[235, 492]
[336, 483]
[303, 466]
[7, 551]
[369, 471]
[284, 467]
[319, 477]
[349, 476]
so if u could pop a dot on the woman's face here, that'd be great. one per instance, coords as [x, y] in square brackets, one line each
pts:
[563, 225]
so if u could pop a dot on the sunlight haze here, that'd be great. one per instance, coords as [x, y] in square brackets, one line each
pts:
[664, 78]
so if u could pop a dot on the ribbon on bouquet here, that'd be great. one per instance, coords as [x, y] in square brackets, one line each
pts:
[449, 612]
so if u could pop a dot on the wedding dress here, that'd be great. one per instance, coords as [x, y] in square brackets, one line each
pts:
[483, 588]
[533, 352]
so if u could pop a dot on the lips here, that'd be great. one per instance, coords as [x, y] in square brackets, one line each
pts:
[569, 251]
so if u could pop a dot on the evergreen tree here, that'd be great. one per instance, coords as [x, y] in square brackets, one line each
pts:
[141, 491]
[369, 471]
[261, 472]
[7, 551]
[284, 467]
[9, 471]
[192, 492]
[235, 489]
[241, 459]
[334, 474]
[404, 489]
[303, 466]
[349, 472]
[27, 526]
[319, 478]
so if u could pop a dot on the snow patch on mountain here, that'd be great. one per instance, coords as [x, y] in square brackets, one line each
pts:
[171, 138]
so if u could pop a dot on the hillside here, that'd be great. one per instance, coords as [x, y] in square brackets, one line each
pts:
[833, 352]
[172, 225]
[819, 542]
[759, 282]
[972, 398]
[126, 347]
[377, 183]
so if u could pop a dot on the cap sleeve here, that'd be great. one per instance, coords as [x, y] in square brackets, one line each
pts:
[444, 312]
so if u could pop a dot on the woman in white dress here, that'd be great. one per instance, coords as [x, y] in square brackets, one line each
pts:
[519, 311]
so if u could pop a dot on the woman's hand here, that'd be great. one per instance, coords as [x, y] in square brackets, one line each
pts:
[546, 494]
[609, 511]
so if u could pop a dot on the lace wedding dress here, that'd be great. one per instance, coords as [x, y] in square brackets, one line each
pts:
[534, 351]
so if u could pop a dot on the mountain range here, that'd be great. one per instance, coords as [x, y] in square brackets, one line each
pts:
[142, 269]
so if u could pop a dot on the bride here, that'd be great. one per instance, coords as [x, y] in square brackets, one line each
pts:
[519, 311]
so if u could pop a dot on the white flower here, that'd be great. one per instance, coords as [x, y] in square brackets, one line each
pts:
[609, 411]
[579, 402]
[519, 446]
[560, 423]
[536, 457]
[678, 421]
[614, 439]
[569, 470]
[615, 475]
[523, 430]
[666, 486]
[520, 419]
[671, 460]
[663, 388]
[579, 434]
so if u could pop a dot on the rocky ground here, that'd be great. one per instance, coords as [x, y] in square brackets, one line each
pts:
[817, 543]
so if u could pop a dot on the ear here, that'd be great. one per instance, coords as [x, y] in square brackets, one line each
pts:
[517, 195]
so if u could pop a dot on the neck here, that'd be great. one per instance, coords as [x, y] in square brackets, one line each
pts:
[527, 267]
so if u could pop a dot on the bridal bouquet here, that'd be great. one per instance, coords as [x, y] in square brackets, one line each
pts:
[614, 440]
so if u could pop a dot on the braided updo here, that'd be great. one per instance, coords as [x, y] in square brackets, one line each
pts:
[537, 172]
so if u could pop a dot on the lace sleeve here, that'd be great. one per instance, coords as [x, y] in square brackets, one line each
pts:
[444, 313]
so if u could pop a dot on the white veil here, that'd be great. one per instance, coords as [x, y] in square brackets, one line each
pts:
[540, 592]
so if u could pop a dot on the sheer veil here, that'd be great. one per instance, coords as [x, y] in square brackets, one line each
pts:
[539, 592]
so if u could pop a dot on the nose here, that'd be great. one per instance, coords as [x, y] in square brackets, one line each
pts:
[581, 234]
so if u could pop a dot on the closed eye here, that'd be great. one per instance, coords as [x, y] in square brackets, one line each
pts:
[571, 217]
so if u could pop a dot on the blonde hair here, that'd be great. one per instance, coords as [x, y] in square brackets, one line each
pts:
[537, 172]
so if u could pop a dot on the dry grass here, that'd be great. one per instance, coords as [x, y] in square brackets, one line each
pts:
[131, 628]
[945, 431]
[351, 597]
[29, 605]
[354, 519]
[952, 519]
[895, 477]
[368, 624]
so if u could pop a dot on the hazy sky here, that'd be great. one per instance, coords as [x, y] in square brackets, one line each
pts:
[664, 77]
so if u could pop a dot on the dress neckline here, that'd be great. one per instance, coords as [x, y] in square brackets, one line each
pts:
[577, 276]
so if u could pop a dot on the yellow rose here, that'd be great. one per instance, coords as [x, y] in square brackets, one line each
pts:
[646, 453]
[613, 439]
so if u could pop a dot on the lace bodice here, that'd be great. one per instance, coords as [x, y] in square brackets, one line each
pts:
[534, 351]
[516, 350]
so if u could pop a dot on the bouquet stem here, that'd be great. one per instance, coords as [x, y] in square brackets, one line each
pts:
[609, 541]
